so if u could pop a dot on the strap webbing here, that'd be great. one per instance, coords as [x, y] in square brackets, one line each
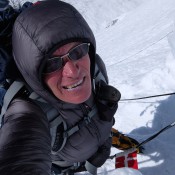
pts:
[98, 75]
[91, 168]
[11, 92]
[55, 122]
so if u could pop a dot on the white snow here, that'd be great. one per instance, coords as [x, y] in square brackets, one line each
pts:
[134, 39]
[139, 59]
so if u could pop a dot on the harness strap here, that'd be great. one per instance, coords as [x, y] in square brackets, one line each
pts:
[98, 74]
[51, 112]
[54, 118]
[91, 168]
[55, 122]
[15, 87]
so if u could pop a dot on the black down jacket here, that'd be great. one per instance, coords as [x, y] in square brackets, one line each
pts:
[37, 32]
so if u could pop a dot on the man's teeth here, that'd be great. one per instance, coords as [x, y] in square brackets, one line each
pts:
[74, 85]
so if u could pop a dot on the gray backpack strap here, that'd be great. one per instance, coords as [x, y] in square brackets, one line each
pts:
[15, 87]
[98, 75]
[90, 168]
[100, 70]
[49, 110]
[54, 118]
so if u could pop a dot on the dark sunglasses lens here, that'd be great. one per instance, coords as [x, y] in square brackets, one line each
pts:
[53, 64]
[79, 51]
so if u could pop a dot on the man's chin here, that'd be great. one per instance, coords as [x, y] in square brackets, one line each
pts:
[77, 99]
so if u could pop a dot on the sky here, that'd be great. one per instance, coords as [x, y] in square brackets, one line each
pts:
[135, 39]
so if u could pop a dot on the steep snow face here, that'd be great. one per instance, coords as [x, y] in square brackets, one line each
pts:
[140, 62]
[120, 171]
[141, 36]
[102, 13]
[99, 13]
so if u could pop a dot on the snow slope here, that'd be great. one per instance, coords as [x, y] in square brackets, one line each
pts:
[140, 63]
[133, 40]
[100, 13]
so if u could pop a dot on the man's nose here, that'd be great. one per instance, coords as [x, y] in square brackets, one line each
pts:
[71, 69]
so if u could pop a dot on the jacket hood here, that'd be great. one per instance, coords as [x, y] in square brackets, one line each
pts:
[38, 31]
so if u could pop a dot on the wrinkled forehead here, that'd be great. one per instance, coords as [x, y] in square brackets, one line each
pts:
[65, 49]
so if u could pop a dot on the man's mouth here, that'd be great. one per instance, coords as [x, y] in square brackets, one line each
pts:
[74, 85]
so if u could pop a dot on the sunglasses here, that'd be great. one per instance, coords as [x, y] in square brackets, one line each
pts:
[56, 63]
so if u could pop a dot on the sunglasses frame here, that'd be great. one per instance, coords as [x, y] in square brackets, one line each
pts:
[66, 55]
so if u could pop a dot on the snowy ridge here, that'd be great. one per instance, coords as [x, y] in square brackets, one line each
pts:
[139, 59]
[100, 14]
[120, 171]
[140, 62]
[143, 26]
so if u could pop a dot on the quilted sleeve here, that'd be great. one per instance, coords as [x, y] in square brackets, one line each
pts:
[25, 140]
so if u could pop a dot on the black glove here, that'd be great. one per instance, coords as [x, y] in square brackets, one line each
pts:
[107, 98]
[99, 158]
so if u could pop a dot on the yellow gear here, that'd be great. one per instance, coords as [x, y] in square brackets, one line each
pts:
[123, 142]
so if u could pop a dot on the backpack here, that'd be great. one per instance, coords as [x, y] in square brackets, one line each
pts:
[8, 68]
